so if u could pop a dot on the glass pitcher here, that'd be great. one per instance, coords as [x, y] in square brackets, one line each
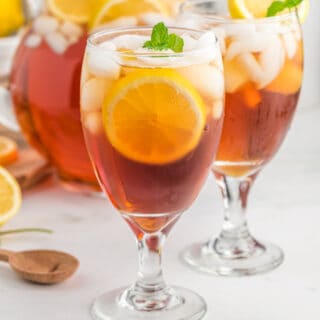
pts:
[45, 88]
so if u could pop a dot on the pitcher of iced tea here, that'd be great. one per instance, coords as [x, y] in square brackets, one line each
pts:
[45, 80]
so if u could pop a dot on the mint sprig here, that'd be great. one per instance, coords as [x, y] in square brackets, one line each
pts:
[162, 40]
[25, 230]
[279, 6]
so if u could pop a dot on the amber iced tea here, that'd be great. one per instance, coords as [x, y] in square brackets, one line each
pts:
[151, 127]
[263, 72]
[45, 86]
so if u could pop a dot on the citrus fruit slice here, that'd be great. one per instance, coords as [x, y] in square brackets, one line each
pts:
[8, 151]
[10, 196]
[78, 11]
[258, 9]
[11, 16]
[114, 9]
[154, 116]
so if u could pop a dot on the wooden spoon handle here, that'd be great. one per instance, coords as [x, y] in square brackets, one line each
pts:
[5, 255]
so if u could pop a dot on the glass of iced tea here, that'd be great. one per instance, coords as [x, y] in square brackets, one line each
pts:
[263, 63]
[152, 120]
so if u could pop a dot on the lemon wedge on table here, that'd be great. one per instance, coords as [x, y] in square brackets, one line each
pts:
[109, 10]
[247, 9]
[11, 16]
[10, 196]
[154, 116]
[77, 11]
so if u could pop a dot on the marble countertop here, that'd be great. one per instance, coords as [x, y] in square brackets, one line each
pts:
[284, 208]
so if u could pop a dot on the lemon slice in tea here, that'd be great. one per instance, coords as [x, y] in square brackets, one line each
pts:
[154, 116]
[78, 11]
[258, 9]
[113, 9]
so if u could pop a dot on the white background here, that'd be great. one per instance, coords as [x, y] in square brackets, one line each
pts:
[311, 91]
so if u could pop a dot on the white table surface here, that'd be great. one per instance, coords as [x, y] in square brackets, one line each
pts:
[284, 208]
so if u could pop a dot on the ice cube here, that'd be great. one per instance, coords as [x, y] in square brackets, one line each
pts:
[152, 18]
[92, 94]
[205, 78]
[108, 45]
[189, 42]
[188, 22]
[103, 64]
[296, 29]
[220, 33]
[72, 40]
[251, 43]
[240, 29]
[131, 41]
[163, 60]
[93, 122]
[206, 40]
[44, 25]
[57, 42]
[235, 76]
[268, 28]
[290, 44]
[33, 41]
[218, 108]
[71, 30]
[252, 67]
[271, 60]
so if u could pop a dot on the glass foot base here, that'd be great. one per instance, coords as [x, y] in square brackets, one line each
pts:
[111, 307]
[203, 259]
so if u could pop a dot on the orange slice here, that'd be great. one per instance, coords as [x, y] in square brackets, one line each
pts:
[78, 11]
[8, 151]
[114, 9]
[154, 116]
[10, 196]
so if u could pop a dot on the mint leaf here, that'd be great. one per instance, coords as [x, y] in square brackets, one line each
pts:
[162, 40]
[276, 7]
[175, 43]
[293, 3]
[159, 34]
[148, 45]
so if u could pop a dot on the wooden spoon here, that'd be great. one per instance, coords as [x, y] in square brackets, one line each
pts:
[41, 266]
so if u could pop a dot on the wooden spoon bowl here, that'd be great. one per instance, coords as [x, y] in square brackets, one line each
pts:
[41, 266]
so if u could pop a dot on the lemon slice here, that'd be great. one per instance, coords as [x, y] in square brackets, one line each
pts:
[8, 151]
[114, 9]
[77, 11]
[154, 116]
[258, 9]
[11, 16]
[10, 196]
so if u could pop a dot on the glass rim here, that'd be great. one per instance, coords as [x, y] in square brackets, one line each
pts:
[230, 20]
[160, 54]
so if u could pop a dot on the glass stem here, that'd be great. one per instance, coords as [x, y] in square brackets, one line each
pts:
[150, 277]
[235, 240]
[150, 292]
